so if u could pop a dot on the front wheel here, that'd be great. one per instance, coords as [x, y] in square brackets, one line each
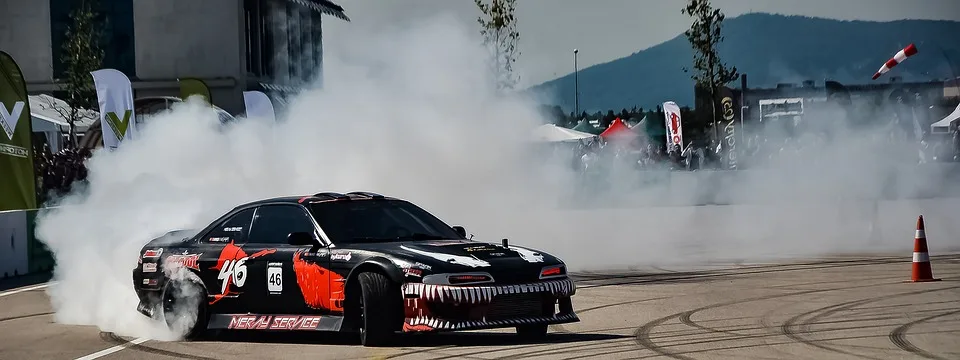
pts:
[378, 309]
[183, 307]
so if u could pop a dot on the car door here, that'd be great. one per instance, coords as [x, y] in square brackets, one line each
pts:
[289, 279]
[217, 251]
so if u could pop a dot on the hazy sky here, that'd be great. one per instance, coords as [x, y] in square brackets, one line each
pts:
[605, 30]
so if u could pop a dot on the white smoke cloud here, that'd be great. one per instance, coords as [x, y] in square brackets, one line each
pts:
[413, 114]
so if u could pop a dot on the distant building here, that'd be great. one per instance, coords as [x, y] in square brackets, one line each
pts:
[233, 45]
[951, 88]
[811, 97]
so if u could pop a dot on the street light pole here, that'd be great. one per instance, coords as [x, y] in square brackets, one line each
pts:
[576, 85]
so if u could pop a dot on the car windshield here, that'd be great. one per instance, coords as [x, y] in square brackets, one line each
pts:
[347, 221]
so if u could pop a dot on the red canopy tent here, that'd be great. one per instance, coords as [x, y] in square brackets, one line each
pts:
[618, 130]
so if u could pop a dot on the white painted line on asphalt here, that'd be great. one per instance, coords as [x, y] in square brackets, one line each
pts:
[105, 352]
[29, 288]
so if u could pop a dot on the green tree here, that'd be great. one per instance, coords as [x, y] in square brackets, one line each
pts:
[81, 55]
[709, 72]
[498, 26]
[607, 119]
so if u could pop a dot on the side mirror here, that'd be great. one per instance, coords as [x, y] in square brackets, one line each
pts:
[302, 239]
[460, 231]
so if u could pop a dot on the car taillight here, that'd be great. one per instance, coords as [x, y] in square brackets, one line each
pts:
[463, 279]
[553, 271]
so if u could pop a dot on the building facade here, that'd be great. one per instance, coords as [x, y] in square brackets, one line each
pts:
[275, 46]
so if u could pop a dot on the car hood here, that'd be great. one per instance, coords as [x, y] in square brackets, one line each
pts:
[466, 256]
[172, 237]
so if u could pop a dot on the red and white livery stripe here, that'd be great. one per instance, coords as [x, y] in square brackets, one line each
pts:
[902, 55]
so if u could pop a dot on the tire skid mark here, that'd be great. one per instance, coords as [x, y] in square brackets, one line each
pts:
[117, 340]
[566, 349]
[25, 316]
[730, 331]
[572, 345]
[527, 346]
[594, 277]
[899, 336]
[790, 342]
[898, 305]
[741, 271]
[625, 342]
[767, 326]
[787, 328]
[417, 352]
[644, 339]
[821, 283]
[622, 346]
[685, 318]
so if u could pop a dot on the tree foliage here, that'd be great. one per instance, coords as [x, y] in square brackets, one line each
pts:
[704, 35]
[81, 55]
[498, 26]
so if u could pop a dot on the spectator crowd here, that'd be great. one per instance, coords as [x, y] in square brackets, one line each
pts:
[58, 172]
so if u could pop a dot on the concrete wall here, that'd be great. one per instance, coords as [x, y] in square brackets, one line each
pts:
[13, 243]
[20, 251]
[612, 238]
[25, 35]
[210, 43]
[208, 36]
[605, 238]
[619, 238]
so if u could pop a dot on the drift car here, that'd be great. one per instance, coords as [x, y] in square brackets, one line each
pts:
[355, 262]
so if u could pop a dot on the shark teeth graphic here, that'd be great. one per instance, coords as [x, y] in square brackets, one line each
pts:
[485, 294]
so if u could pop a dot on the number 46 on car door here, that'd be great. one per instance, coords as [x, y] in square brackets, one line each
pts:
[274, 278]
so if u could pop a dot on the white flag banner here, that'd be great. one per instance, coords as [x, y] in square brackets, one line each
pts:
[674, 124]
[115, 95]
[258, 105]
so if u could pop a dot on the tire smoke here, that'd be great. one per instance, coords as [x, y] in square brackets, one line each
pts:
[414, 114]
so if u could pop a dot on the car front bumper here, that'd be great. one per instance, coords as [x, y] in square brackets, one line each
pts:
[450, 307]
[148, 291]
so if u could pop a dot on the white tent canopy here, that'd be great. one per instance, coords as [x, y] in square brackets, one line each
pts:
[46, 113]
[943, 126]
[553, 133]
[46, 118]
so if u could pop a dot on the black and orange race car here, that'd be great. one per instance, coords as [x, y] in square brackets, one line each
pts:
[356, 262]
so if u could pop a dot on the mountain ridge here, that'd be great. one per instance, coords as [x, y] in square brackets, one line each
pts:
[770, 49]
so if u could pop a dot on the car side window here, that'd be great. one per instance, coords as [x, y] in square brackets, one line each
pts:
[233, 229]
[273, 223]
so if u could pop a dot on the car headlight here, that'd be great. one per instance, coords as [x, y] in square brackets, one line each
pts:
[458, 279]
[553, 271]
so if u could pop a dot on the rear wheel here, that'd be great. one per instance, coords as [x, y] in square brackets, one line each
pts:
[183, 307]
[378, 309]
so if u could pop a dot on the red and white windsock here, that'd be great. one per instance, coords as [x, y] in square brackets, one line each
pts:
[902, 55]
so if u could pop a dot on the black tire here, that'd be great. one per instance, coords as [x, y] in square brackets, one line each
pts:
[532, 332]
[183, 307]
[379, 309]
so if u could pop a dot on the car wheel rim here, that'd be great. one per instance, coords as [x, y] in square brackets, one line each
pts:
[363, 318]
[168, 303]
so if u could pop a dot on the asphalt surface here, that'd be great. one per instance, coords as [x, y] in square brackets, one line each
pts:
[837, 308]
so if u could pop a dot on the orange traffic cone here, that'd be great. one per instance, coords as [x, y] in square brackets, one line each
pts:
[921, 259]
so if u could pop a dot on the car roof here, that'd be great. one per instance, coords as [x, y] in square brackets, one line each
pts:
[319, 197]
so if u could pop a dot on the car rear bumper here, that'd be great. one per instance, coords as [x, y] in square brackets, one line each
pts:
[450, 308]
